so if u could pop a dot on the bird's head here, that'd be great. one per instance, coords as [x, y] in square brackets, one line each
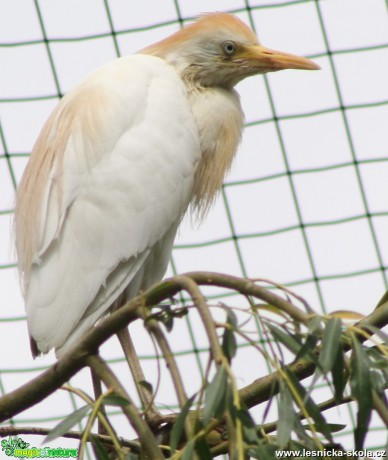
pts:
[220, 50]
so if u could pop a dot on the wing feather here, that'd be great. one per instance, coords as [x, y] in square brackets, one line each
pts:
[104, 198]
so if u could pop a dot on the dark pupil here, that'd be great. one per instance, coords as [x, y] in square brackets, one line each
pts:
[229, 47]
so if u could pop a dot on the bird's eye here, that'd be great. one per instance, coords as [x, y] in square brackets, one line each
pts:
[229, 48]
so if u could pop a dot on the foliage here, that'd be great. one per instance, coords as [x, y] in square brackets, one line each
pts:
[347, 351]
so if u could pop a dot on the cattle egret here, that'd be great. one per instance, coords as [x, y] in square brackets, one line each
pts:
[118, 163]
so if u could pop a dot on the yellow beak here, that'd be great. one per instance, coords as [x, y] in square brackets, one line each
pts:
[267, 60]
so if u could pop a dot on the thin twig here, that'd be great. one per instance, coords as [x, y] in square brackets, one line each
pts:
[146, 397]
[222, 448]
[168, 355]
[147, 439]
[46, 383]
[200, 302]
[249, 288]
[103, 420]
[97, 389]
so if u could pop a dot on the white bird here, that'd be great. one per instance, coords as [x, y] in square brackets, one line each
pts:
[117, 165]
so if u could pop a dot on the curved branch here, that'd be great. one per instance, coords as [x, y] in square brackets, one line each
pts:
[247, 287]
[146, 436]
[59, 373]
[261, 389]
[46, 383]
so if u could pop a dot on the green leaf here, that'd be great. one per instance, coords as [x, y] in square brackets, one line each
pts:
[202, 449]
[263, 451]
[115, 400]
[311, 408]
[188, 451]
[231, 317]
[285, 338]
[330, 344]
[377, 359]
[338, 375]
[99, 449]
[215, 395]
[311, 340]
[229, 345]
[147, 385]
[286, 416]
[361, 386]
[177, 429]
[248, 424]
[378, 382]
[65, 425]
[307, 348]
[333, 427]
[314, 324]
[305, 438]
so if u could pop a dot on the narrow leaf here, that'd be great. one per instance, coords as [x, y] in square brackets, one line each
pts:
[229, 345]
[361, 386]
[115, 400]
[99, 449]
[314, 324]
[338, 375]
[286, 416]
[330, 344]
[312, 409]
[231, 317]
[202, 449]
[307, 348]
[189, 451]
[333, 427]
[177, 429]
[263, 451]
[65, 425]
[248, 424]
[147, 386]
[285, 338]
[347, 315]
[215, 395]
[304, 437]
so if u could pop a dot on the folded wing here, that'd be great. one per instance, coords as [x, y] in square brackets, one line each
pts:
[106, 186]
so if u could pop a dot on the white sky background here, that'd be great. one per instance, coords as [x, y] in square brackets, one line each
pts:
[353, 247]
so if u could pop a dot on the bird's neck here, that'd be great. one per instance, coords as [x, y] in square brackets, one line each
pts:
[219, 119]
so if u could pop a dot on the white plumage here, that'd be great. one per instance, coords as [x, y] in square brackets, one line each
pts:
[117, 165]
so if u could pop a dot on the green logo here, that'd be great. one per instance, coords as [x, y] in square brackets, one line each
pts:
[20, 449]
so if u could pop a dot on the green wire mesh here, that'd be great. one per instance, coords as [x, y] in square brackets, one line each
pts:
[306, 203]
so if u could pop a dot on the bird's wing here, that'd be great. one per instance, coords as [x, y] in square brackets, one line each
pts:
[112, 173]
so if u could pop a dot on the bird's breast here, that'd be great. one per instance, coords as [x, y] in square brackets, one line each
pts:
[219, 120]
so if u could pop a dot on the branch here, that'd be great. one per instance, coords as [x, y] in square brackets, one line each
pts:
[222, 447]
[46, 383]
[146, 436]
[189, 285]
[261, 389]
[54, 377]
[247, 287]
